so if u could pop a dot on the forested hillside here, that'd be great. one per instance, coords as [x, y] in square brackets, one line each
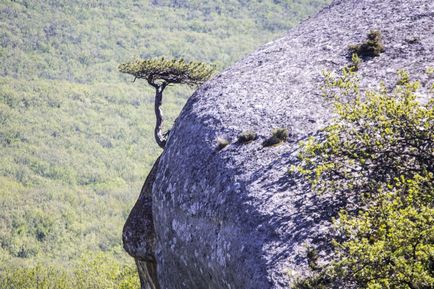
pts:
[76, 135]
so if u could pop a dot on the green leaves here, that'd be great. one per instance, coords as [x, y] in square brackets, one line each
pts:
[390, 244]
[169, 71]
[380, 153]
[375, 137]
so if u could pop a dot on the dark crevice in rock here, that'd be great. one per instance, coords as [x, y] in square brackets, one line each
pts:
[148, 274]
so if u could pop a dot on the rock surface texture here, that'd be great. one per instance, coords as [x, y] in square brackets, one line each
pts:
[235, 218]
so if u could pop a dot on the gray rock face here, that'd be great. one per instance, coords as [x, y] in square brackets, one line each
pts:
[138, 234]
[235, 218]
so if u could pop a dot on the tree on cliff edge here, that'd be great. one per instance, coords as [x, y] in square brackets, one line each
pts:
[159, 73]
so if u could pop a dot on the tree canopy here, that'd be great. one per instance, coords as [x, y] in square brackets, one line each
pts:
[168, 71]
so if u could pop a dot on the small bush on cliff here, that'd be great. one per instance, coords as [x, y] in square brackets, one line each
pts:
[379, 154]
[222, 143]
[278, 136]
[372, 47]
[246, 137]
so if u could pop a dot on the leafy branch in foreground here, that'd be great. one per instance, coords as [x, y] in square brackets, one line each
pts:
[379, 154]
[159, 73]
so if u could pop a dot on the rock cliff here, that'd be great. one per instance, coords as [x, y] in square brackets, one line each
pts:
[235, 218]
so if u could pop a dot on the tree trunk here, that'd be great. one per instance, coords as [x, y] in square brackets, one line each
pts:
[159, 137]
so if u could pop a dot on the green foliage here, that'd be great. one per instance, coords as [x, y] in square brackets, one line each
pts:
[403, 77]
[391, 243]
[379, 155]
[279, 135]
[312, 258]
[169, 71]
[246, 137]
[372, 47]
[356, 61]
[314, 282]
